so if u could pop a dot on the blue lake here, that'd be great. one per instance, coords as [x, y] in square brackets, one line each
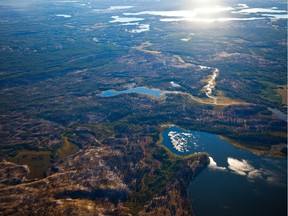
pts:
[141, 90]
[236, 182]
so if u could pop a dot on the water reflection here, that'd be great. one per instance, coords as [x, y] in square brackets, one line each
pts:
[209, 20]
[183, 13]
[124, 19]
[141, 28]
[174, 85]
[119, 7]
[261, 10]
[215, 13]
[63, 15]
[236, 182]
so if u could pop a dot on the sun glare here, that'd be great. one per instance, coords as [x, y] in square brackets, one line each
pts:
[205, 10]
[203, 3]
[213, 9]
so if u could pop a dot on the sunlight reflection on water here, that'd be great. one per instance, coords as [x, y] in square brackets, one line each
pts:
[218, 13]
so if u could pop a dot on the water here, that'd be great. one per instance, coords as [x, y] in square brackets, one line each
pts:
[215, 13]
[117, 19]
[278, 114]
[141, 90]
[236, 182]
[174, 85]
[63, 15]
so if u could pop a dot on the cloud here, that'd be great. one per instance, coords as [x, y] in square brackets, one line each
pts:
[241, 167]
[213, 165]
[275, 178]
[255, 174]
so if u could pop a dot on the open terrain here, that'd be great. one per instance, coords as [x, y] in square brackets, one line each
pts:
[64, 149]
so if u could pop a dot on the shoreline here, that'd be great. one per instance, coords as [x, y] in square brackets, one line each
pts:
[262, 153]
[271, 153]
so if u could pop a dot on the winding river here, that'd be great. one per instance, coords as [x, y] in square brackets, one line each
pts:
[236, 182]
[211, 85]
[157, 93]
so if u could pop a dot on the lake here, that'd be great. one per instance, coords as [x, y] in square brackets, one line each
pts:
[141, 90]
[236, 182]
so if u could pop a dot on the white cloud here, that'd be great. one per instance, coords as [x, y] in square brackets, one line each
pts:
[241, 167]
[254, 174]
[213, 165]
